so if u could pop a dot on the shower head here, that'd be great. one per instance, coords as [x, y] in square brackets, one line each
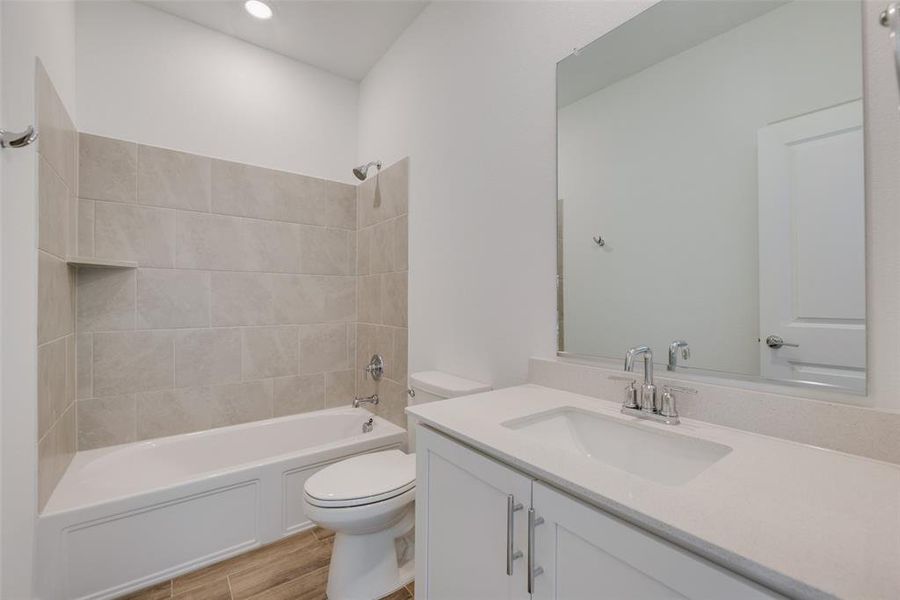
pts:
[361, 170]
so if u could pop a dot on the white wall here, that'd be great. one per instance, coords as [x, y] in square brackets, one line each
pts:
[149, 77]
[27, 30]
[468, 92]
[663, 165]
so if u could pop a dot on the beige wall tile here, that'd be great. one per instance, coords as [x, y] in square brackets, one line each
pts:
[207, 356]
[270, 352]
[56, 284]
[53, 210]
[401, 355]
[297, 299]
[370, 299]
[323, 347]
[84, 356]
[382, 247]
[57, 142]
[55, 452]
[364, 251]
[71, 369]
[173, 179]
[169, 299]
[51, 386]
[314, 298]
[106, 421]
[401, 243]
[139, 233]
[198, 408]
[242, 299]
[242, 402]
[246, 191]
[394, 299]
[208, 242]
[325, 250]
[133, 361]
[328, 203]
[270, 246]
[106, 299]
[107, 169]
[340, 388]
[85, 245]
[299, 394]
[171, 412]
[340, 297]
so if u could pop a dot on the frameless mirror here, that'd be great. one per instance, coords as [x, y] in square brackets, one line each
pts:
[711, 190]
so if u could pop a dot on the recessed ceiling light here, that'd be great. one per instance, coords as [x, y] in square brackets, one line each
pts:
[258, 9]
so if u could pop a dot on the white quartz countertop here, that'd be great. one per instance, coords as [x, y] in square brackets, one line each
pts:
[804, 521]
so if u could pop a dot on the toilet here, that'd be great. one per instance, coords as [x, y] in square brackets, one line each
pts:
[368, 501]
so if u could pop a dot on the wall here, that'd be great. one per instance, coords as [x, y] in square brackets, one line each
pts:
[688, 158]
[482, 260]
[152, 78]
[28, 30]
[468, 91]
[57, 149]
[382, 264]
[242, 305]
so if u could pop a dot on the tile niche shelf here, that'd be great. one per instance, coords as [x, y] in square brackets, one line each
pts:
[84, 261]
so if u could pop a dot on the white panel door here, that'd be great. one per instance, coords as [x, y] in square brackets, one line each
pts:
[812, 248]
[586, 554]
[462, 501]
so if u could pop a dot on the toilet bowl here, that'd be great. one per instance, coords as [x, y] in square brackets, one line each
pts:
[368, 502]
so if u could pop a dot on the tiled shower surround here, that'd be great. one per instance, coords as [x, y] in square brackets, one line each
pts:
[56, 157]
[244, 302]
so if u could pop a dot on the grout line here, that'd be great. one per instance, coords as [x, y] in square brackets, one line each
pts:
[218, 214]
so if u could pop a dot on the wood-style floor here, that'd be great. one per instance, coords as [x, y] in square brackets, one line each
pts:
[295, 568]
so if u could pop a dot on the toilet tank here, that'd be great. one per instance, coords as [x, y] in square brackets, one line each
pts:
[427, 386]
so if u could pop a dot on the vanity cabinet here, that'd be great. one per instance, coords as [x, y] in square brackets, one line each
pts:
[465, 532]
[465, 504]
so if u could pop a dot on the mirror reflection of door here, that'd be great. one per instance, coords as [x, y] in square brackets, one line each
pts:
[717, 149]
[812, 248]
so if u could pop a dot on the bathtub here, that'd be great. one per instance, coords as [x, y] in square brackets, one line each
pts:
[128, 516]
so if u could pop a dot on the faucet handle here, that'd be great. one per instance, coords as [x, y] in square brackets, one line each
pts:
[631, 393]
[667, 406]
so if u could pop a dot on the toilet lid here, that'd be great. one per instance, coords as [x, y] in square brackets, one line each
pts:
[363, 479]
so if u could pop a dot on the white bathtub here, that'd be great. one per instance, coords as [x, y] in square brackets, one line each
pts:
[128, 516]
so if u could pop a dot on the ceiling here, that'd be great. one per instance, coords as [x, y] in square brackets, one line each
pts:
[660, 32]
[344, 37]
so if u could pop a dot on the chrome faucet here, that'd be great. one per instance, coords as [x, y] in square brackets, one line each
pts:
[674, 347]
[373, 399]
[647, 398]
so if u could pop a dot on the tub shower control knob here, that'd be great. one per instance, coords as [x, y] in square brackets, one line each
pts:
[375, 368]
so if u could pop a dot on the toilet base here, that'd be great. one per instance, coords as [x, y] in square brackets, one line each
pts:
[364, 567]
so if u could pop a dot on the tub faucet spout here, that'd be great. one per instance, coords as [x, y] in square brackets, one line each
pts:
[373, 399]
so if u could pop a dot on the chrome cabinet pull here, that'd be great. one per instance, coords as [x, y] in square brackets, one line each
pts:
[511, 553]
[776, 342]
[532, 570]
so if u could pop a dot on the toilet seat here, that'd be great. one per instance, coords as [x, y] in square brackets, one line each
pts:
[362, 480]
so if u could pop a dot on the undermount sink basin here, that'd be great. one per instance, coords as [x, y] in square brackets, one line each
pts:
[667, 458]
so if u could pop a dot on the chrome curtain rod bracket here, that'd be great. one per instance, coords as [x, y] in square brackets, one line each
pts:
[11, 139]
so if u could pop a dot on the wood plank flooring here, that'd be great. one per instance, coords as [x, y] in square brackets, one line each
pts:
[295, 568]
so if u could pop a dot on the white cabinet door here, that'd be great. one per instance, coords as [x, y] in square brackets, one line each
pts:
[585, 553]
[462, 514]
